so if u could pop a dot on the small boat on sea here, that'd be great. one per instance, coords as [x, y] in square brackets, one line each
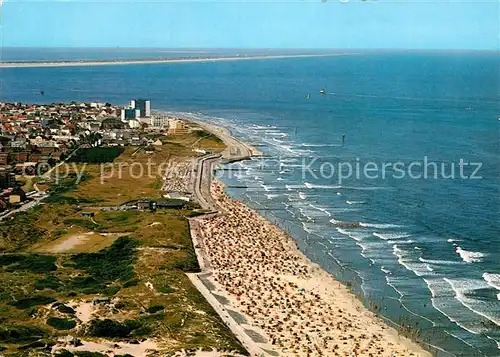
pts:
[322, 91]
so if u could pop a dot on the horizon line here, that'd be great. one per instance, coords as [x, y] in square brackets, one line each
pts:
[257, 48]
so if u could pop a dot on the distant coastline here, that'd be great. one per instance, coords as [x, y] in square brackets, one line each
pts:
[29, 64]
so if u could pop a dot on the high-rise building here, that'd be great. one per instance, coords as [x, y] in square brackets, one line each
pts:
[130, 113]
[143, 105]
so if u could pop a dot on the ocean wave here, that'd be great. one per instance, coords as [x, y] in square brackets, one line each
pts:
[308, 227]
[294, 187]
[443, 301]
[312, 186]
[354, 202]
[439, 262]
[383, 269]
[493, 280]
[324, 210]
[354, 235]
[470, 257]
[391, 236]
[319, 145]
[302, 195]
[465, 288]
[406, 259]
[379, 225]
[271, 196]
[261, 127]
[364, 188]
[276, 133]
[288, 160]
[268, 188]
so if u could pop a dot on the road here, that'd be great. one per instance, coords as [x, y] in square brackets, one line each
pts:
[36, 201]
[235, 151]
[202, 179]
[42, 195]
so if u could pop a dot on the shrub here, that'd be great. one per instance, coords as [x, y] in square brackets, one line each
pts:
[108, 328]
[61, 323]
[111, 290]
[32, 301]
[114, 263]
[19, 232]
[97, 155]
[20, 333]
[49, 282]
[87, 285]
[28, 262]
[155, 308]
[66, 309]
[165, 289]
[130, 283]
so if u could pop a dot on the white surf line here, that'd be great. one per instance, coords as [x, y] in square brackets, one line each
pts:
[158, 61]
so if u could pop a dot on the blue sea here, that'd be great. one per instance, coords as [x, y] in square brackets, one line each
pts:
[415, 228]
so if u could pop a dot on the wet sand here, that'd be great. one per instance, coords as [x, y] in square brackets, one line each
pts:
[302, 309]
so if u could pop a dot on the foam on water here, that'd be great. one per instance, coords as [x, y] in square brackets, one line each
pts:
[319, 145]
[288, 159]
[302, 195]
[439, 262]
[389, 236]
[464, 288]
[308, 227]
[294, 187]
[470, 257]
[385, 270]
[312, 186]
[379, 225]
[324, 210]
[443, 301]
[373, 251]
[270, 196]
[494, 340]
[354, 235]
[407, 260]
[493, 280]
[354, 202]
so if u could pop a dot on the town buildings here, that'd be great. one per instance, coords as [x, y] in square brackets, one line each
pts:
[35, 137]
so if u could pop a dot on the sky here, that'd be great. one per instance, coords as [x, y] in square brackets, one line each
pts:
[356, 24]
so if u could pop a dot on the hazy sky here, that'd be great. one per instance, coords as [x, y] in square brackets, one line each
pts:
[423, 24]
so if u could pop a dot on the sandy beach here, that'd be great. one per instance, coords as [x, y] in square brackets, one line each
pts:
[302, 309]
[155, 61]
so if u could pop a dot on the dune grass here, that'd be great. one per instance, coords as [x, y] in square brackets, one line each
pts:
[133, 262]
